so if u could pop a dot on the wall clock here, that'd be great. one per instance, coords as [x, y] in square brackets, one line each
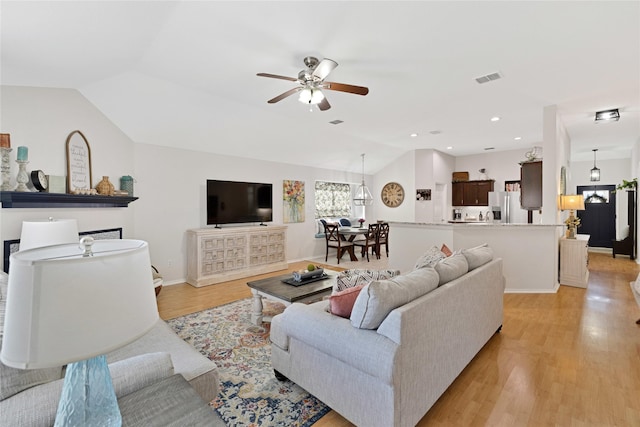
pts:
[392, 194]
[39, 180]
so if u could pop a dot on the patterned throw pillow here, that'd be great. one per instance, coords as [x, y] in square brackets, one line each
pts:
[430, 258]
[351, 278]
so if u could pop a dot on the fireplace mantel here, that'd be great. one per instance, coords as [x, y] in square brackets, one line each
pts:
[17, 199]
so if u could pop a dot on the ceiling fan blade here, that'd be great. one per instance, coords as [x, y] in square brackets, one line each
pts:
[323, 69]
[324, 104]
[275, 76]
[358, 90]
[283, 95]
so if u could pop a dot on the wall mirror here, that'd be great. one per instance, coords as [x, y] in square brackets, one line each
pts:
[78, 163]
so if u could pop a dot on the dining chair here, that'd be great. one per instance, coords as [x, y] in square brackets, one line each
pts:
[334, 241]
[370, 240]
[383, 239]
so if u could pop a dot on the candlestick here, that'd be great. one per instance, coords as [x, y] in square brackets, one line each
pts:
[5, 140]
[6, 169]
[23, 153]
[23, 176]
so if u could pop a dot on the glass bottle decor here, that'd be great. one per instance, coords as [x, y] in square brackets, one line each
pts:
[105, 187]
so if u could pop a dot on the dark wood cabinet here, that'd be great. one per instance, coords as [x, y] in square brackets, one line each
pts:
[531, 185]
[471, 193]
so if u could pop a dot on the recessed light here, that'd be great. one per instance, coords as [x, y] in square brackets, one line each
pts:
[449, 148]
[518, 138]
[336, 122]
[495, 118]
[413, 135]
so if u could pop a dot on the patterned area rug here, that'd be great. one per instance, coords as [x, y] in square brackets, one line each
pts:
[250, 395]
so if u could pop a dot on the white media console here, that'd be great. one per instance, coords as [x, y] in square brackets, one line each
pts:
[217, 255]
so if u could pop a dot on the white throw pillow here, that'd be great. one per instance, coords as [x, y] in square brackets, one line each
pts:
[378, 298]
[451, 268]
[478, 256]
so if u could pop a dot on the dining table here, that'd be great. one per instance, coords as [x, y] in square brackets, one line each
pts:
[349, 234]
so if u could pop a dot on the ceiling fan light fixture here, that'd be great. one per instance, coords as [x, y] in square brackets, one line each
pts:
[608, 116]
[311, 96]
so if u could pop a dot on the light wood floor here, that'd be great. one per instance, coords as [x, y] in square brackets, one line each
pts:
[565, 359]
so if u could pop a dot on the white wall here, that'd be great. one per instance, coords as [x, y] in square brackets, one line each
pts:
[169, 182]
[402, 171]
[171, 185]
[41, 119]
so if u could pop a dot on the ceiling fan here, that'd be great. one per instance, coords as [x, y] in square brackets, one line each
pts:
[312, 83]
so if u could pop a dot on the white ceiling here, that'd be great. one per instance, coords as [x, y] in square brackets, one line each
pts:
[184, 73]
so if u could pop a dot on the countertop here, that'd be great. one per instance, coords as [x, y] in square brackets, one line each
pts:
[473, 224]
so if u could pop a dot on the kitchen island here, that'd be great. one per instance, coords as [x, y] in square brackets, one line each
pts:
[529, 251]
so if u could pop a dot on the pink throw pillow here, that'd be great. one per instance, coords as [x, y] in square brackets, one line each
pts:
[341, 303]
[445, 250]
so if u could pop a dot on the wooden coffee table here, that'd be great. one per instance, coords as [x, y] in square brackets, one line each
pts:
[274, 289]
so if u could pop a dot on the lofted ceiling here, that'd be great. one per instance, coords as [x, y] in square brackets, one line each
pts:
[184, 73]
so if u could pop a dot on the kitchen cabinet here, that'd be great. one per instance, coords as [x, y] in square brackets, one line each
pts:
[574, 259]
[471, 193]
[531, 185]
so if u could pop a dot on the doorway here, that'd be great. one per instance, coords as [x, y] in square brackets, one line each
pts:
[598, 219]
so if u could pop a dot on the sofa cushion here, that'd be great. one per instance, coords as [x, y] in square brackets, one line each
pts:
[429, 258]
[478, 256]
[350, 278]
[450, 268]
[341, 303]
[378, 298]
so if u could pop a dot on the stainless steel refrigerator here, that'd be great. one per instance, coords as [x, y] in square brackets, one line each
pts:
[505, 207]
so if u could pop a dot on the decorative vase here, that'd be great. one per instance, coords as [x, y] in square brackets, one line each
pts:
[105, 187]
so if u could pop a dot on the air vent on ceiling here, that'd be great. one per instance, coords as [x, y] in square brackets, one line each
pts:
[489, 78]
[489, 148]
[336, 122]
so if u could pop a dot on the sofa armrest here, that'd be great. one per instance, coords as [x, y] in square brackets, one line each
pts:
[311, 324]
[138, 372]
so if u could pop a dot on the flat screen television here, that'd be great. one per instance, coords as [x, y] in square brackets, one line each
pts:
[230, 202]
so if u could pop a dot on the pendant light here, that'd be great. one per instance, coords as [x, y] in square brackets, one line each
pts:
[363, 196]
[595, 172]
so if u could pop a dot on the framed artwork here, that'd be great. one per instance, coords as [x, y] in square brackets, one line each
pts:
[293, 201]
[78, 163]
[423, 194]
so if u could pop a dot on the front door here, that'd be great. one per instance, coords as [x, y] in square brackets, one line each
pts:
[598, 219]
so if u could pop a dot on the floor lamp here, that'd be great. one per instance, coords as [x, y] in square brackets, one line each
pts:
[71, 304]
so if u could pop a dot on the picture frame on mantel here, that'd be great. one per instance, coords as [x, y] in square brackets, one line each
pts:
[78, 163]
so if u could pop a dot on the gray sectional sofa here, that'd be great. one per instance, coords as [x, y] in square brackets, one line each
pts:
[406, 341]
[30, 397]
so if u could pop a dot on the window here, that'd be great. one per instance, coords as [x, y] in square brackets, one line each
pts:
[333, 199]
[596, 196]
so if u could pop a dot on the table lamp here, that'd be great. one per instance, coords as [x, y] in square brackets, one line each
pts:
[572, 202]
[72, 304]
[36, 234]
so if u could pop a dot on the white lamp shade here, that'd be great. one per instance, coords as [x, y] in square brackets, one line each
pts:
[63, 307]
[36, 234]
